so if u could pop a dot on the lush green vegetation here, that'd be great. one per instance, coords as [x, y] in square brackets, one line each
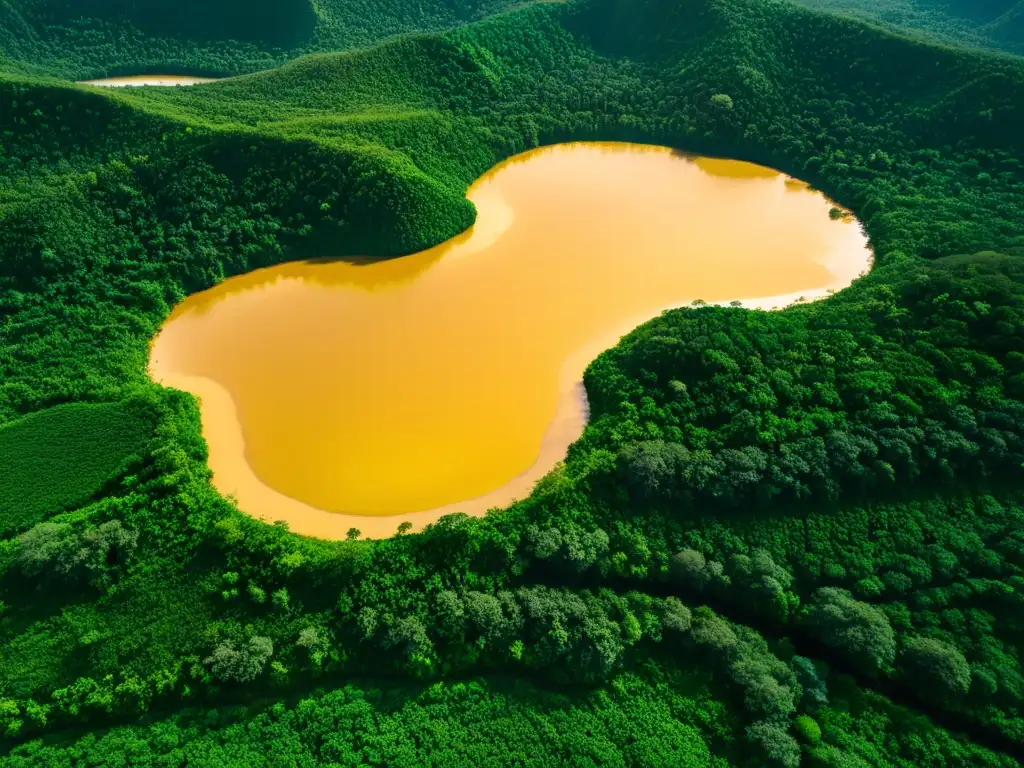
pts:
[84, 39]
[644, 717]
[784, 537]
[997, 24]
[56, 459]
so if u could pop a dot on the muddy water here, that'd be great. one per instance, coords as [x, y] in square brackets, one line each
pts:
[338, 395]
[120, 82]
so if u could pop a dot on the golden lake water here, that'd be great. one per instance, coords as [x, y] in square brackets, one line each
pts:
[337, 394]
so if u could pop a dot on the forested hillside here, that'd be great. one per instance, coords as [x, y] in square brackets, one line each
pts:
[996, 24]
[84, 39]
[789, 538]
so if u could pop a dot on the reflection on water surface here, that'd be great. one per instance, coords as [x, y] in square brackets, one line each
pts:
[448, 380]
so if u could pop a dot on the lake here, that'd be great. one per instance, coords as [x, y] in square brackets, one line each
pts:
[135, 80]
[338, 394]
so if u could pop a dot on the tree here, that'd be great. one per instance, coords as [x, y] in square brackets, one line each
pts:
[409, 635]
[765, 695]
[575, 546]
[572, 636]
[631, 629]
[713, 633]
[937, 667]
[675, 616]
[450, 614]
[314, 641]
[240, 665]
[775, 743]
[857, 630]
[257, 593]
[10, 717]
[807, 730]
[57, 547]
[367, 621]
[45, 545]
[484, 612]
[583, 548]
[689, 569]
[722, 101]
[652, 467]
[762, 584]
[815, 691]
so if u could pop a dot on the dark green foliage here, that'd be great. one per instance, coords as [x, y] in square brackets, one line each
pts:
[50, 549]
[675, 616]
[944, 569]
[854, 629]
[91, 38]
[775, 744]
[638, 721]
[936, 666]
[277, 23]
[869, 731]
[995, 24]
[819, 403]
[240, 665]
[574, 548]
[815, 690]
[58, 458]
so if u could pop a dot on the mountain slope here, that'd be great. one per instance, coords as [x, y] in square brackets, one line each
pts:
[996, 24]
[84, 40]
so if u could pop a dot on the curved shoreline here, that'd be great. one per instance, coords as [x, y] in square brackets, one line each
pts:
[220, 415]
[227, 457]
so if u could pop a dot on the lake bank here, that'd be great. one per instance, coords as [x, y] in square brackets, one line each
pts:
[157, 80]
[337, 395]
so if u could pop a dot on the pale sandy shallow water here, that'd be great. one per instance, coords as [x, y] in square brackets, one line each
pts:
[135, 80]
[336, 395]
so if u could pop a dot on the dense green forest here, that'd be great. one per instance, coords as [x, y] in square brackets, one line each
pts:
[996, 24]
[85, 39]
[785, 538]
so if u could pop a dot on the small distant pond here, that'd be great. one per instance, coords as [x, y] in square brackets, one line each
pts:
[131, 80]
[338, 395]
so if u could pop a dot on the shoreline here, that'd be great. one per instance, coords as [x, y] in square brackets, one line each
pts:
[132, 81]
[219, 415]
[233, 476]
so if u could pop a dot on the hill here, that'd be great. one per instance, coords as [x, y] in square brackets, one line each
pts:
[995, 24]
[800, 531]
[99, 38]
[276, 24]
